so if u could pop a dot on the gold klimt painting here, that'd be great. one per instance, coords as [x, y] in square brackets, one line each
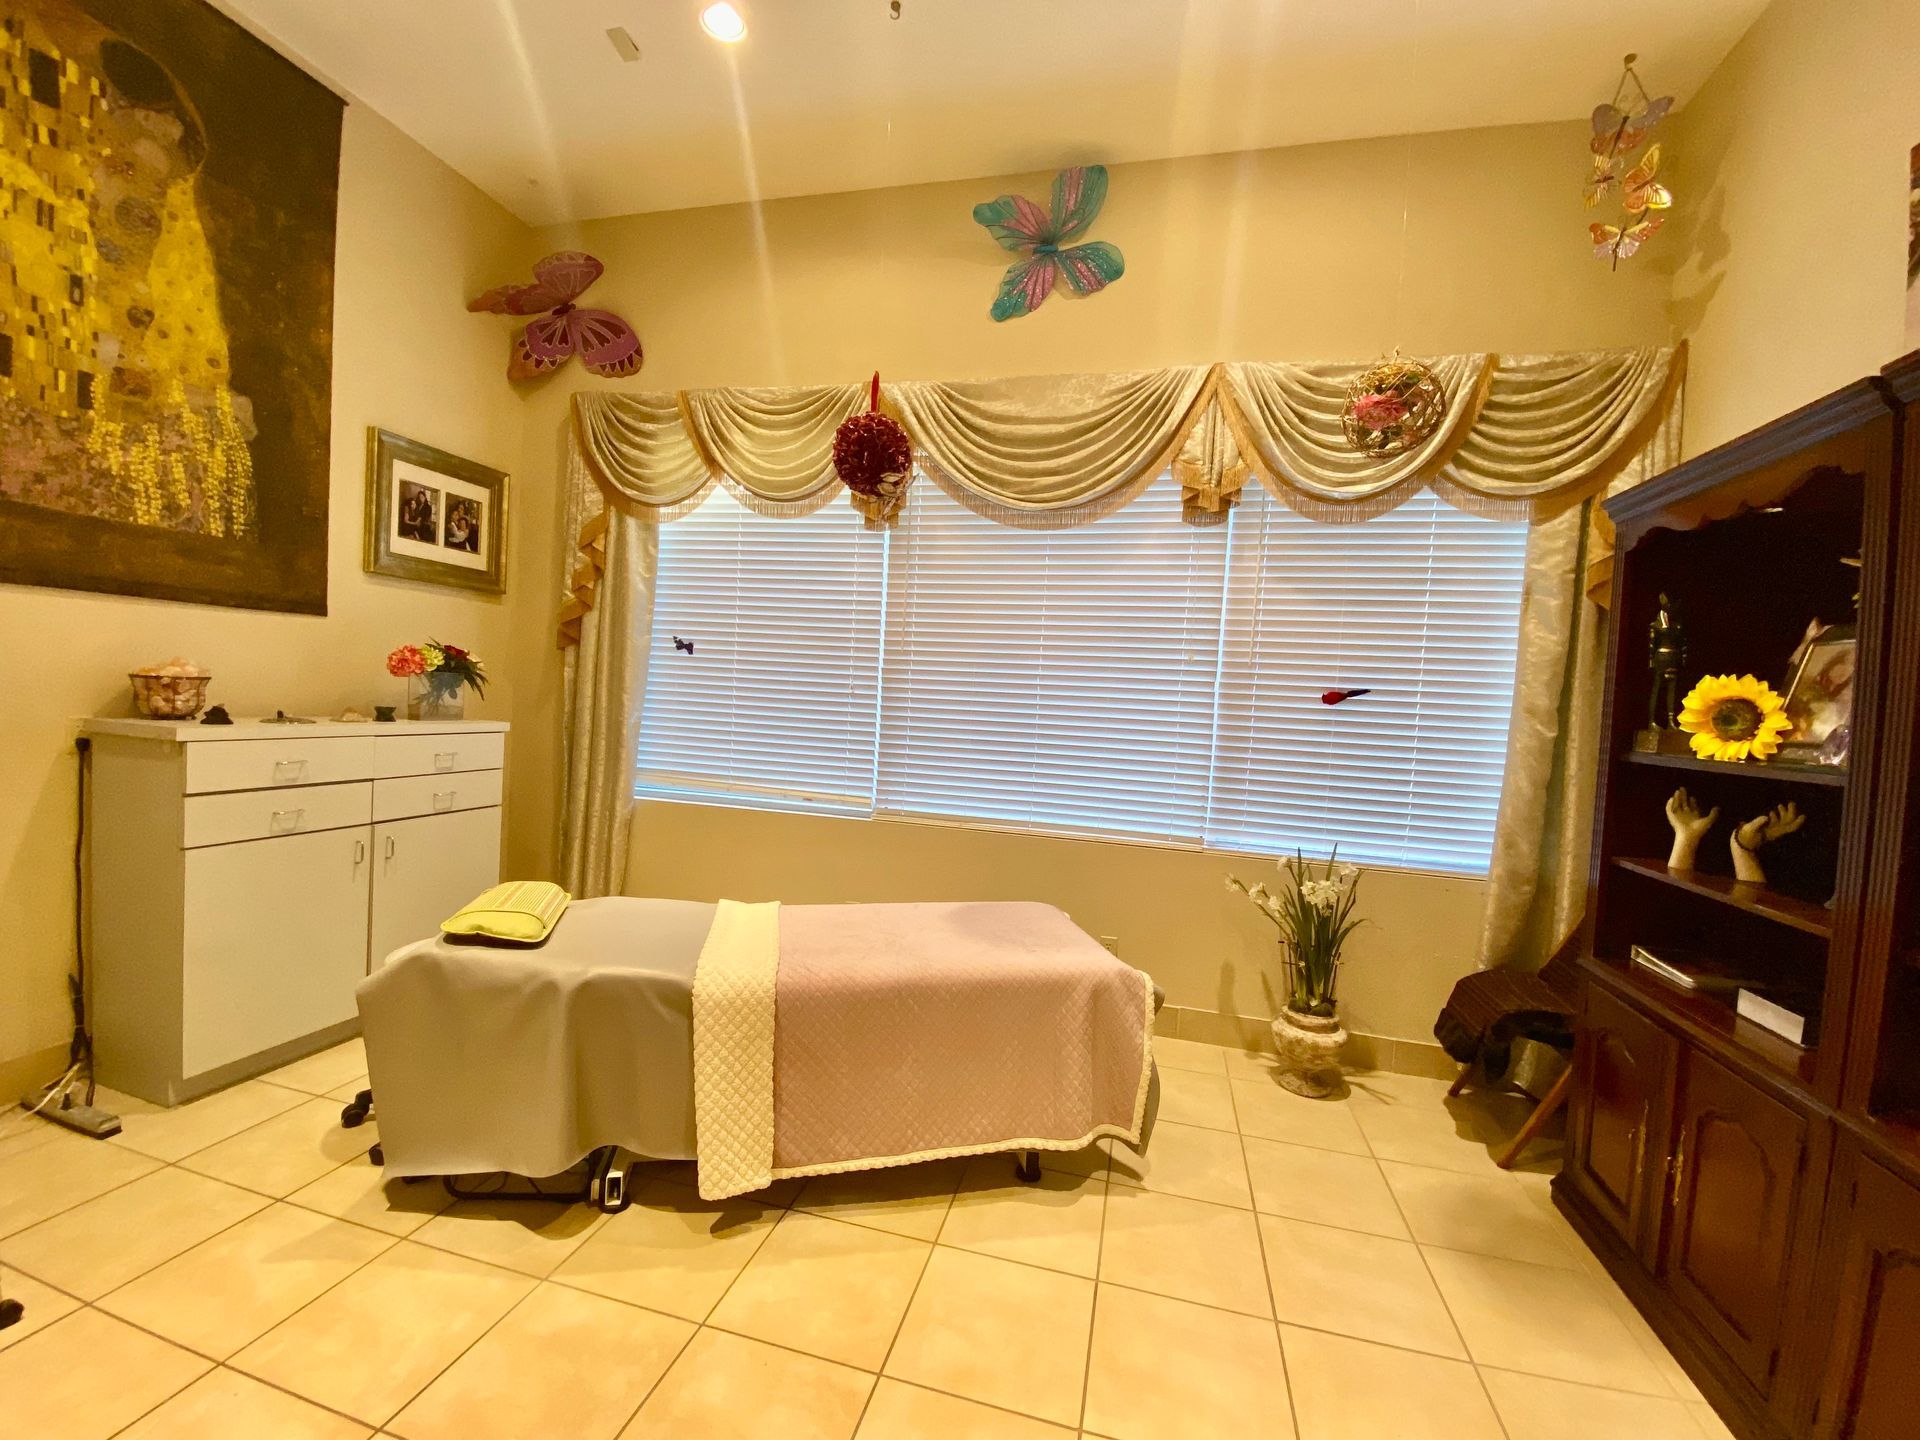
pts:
[167, 196]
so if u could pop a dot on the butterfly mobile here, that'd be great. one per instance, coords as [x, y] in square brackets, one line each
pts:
[606, 344]
[1618, 131]
[1045, 238]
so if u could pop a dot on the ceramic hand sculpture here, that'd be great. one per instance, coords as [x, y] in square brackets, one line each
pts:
[1762, 829]
[1689, 826]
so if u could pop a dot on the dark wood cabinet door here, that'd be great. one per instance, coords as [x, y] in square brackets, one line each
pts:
[1736, 1181]
[1623, 1107]
[1872, 1385]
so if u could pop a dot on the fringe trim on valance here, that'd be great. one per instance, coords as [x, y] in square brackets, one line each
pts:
[1523, 438]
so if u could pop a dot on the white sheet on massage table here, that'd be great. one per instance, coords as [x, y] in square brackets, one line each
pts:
[486, 1058]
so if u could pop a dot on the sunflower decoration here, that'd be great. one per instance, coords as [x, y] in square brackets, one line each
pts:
[1734, 717]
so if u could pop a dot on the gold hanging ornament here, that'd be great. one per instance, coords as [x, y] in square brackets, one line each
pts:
[1393, 406]
[1618, 130]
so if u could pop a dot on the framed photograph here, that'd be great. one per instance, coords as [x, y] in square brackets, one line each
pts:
[1913, 249]
[433, 516]
[1820, 693]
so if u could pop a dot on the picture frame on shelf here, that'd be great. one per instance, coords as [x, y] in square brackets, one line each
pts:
[433, 516]
[1820, 695]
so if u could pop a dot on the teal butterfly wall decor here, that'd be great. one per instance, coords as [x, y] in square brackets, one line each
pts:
[1045, 239]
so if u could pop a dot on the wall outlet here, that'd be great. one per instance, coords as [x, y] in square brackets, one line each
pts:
[1112, 943]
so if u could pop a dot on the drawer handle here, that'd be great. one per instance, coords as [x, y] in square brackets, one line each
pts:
[295, 769]
[285, 820]
[444, 759]
[443, 799]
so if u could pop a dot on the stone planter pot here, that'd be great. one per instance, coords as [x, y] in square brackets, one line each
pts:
[1309, 1047]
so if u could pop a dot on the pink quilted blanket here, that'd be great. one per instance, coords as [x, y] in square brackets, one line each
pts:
[911, 1032]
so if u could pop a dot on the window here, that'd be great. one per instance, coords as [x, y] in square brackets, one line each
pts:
[1422, 607]
[775, 705]
[1051, 679]
[1135, 677]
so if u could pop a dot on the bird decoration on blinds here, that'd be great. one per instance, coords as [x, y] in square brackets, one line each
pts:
[1620, 128]
[1340, 697]
[1045, 239]
[606, 344]
[874, 460]
[1392, 406]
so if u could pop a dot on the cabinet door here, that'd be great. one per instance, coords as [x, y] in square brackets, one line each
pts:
[275, 942]
[424, 870]
[1872, 1387]
[1623, 1108]
[1737, 1171]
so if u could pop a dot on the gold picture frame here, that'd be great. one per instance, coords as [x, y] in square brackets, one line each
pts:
[433, 516]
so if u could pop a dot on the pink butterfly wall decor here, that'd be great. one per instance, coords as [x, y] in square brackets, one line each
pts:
[1024, 228]
[605, 343]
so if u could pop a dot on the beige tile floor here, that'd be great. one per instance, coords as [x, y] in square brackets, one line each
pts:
[1353, 1269]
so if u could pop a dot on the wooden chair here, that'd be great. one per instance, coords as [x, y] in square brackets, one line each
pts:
[1490, 1010]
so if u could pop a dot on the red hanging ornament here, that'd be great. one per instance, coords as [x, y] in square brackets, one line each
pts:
[874, 460]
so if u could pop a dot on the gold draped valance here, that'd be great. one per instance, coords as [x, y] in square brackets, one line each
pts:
[1522, 437]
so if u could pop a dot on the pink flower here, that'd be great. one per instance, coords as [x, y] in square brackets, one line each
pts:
[407, 660]
[1377, 412]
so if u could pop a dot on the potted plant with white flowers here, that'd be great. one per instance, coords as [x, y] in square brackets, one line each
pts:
[1314, 914]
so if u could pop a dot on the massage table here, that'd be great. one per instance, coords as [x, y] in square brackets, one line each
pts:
[758, 1041]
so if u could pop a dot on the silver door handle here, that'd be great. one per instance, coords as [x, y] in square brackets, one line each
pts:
[279, 824]
[359, 853]
[443, 760]
[390, 847]
[443, 799]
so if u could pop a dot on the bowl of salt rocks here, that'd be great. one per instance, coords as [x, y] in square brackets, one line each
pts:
[175, 689]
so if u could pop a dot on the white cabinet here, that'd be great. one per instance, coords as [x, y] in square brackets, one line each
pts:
[245, 878]
[427, 868]
[277, 941]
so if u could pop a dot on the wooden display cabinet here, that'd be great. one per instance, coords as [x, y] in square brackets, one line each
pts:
[1758, 1200]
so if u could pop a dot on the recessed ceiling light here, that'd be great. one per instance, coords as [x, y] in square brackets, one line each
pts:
[723, 23]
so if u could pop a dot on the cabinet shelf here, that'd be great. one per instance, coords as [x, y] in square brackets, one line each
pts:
[1830, 776]
[1711, 1019]
[1802, 915]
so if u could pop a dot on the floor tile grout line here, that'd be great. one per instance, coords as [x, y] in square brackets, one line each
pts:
[1273, 1299]
[1581, 1384]
[907, 1309]
[1093, 1313]
[95, 1195]
[435, 1378]
[393, 1240]
[1447, 1305]
[271, 1200]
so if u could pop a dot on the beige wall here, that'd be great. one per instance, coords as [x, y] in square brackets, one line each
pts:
[414, 242]
[1293, 254]
[1168, 910]
[1791, 164]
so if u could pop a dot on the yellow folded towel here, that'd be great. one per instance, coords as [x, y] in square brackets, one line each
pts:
[521, 912]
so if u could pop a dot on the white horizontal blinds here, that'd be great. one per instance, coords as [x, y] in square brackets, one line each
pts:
[776, 703]
[1057, 680]
[1422, 607]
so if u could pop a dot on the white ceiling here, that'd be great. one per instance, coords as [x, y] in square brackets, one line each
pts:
[528, 99]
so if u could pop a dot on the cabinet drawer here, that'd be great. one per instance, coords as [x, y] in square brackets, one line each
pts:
[265, 764]
[265, 814]
[434, 794]
[438, 754]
